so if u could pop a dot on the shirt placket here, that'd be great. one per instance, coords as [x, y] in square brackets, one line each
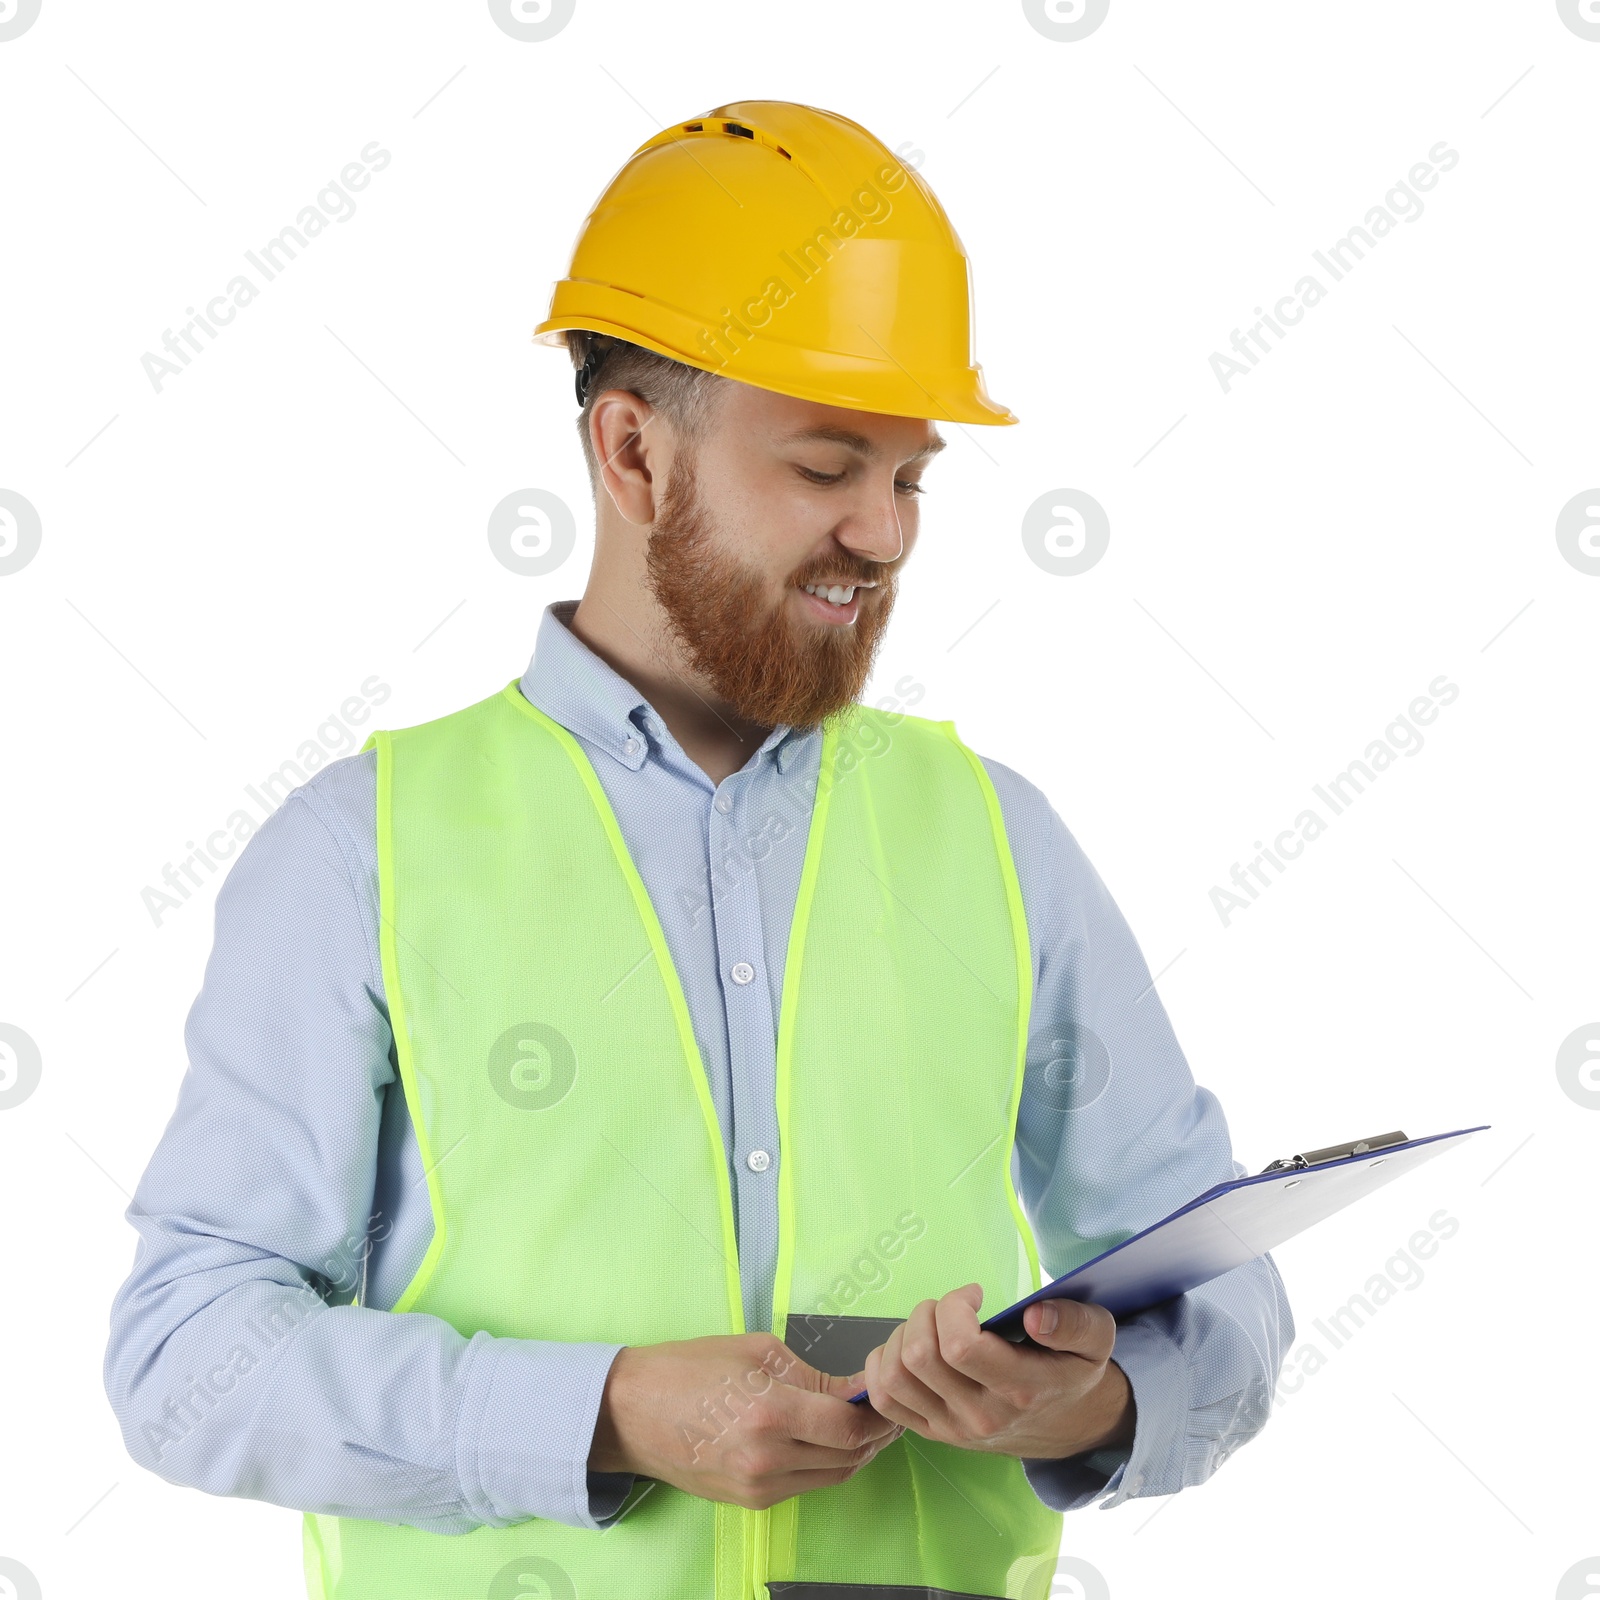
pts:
[753, 1154]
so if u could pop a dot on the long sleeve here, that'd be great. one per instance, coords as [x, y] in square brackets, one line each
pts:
[239, 1361]
[1113, 1133]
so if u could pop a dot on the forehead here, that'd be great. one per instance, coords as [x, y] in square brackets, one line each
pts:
[864, 444]
[782, 421]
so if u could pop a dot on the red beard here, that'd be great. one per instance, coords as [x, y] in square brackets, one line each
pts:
[756, 656]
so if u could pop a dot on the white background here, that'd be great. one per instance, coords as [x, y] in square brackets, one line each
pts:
[224, 562]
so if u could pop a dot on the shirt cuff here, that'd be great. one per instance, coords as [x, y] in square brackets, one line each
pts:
[1158, 1374]
[527, 1425]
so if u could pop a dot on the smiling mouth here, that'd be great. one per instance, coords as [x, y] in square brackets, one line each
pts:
[836, 594]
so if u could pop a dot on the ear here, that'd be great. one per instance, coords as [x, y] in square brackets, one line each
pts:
[630, 447]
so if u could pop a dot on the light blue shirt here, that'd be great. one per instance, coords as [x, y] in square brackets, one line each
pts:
[288, 1186]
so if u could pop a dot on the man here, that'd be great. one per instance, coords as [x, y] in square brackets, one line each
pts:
[591, 1090]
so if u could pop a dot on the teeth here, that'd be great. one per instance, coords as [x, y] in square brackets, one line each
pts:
[838, 593]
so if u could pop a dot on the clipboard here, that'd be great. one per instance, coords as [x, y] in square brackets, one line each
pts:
[1230, 1224]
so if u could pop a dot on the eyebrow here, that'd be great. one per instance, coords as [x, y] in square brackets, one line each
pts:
[860, 443]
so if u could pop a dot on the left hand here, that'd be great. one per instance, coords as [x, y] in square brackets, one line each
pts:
[943, 1378]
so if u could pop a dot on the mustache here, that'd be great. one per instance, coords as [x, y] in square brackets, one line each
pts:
[882, 573]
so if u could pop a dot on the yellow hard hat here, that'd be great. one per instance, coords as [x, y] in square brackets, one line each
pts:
[785, 247]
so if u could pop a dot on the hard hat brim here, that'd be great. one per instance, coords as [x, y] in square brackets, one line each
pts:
[828, 378]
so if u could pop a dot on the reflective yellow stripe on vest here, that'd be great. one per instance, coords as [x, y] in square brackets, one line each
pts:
[576, 1170]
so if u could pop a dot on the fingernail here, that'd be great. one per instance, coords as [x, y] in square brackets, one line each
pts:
[1048, 1317]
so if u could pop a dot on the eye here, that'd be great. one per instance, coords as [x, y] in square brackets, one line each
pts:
[905, 486]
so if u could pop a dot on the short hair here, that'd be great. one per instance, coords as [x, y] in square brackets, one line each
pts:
[681, 393]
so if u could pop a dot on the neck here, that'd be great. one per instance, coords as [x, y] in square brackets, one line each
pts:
[632, 638]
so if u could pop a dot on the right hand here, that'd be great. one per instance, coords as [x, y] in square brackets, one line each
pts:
[734, 1417]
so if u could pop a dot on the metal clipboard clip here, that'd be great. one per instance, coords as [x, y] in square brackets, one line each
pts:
[1333, 1152]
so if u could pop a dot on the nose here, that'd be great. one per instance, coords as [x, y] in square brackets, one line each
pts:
[873, 528]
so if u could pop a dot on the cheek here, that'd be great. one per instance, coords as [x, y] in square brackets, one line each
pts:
[780, 525]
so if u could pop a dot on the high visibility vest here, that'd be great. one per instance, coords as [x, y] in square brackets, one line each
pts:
[576, 1169]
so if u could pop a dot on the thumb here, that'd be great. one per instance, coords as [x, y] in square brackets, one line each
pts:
[842, 1387]
[1056, 1324]
[800, 1374]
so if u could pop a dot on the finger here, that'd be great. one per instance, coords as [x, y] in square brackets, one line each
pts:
[845, 1388]
[840, 1388]
[906, 1370]
[886, 1404]
[786, 1485]
[957, 1370]
[789, 1369]
[781, 1367]
[848, 1388]
[798, 1455]
[781, 1363]
[948, 1324]
[784, 1365]
[827, 1419]
[1082, 1333]
[1074, 1326]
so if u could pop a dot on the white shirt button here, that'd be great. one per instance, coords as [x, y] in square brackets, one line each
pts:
[742, 972]
[758, 1161]
[723, 803]
[630, 747]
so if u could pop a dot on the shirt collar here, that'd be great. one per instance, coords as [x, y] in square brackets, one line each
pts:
[572, 685]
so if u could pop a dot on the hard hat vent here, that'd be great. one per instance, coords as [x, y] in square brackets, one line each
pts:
[738, 130]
